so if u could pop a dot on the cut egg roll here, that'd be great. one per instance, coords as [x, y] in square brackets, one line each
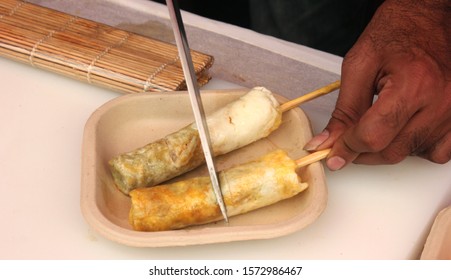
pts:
[250, 118]
[245, 187]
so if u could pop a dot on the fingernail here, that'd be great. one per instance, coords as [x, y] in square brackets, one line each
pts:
[335, 163]
[314, 143]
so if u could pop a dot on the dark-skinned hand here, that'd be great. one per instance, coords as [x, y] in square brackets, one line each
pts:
[403, 56]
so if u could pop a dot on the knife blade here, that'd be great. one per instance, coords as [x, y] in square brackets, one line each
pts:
[195, 98]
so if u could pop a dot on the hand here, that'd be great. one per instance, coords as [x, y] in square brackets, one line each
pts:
[404, 57]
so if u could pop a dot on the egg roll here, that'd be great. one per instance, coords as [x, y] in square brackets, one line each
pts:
[245, 187]
[252, 117]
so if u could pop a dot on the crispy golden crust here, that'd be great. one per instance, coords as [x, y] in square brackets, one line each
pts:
[191, 202]
[173, 206]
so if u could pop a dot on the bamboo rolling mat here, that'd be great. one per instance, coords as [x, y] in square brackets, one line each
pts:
[92, 52]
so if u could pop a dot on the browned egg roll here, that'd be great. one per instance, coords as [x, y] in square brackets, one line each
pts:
[245, 187]
[244, 121]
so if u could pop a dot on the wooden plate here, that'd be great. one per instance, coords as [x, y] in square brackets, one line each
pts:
[131, 121]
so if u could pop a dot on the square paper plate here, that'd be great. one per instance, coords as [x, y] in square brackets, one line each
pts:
[131, 121]
[438, 243]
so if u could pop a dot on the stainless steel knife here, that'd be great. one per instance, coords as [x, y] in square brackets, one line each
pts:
[196, 101]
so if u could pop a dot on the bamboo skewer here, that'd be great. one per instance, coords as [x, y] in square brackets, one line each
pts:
[319, 155]
[309, 96]
[311, 158]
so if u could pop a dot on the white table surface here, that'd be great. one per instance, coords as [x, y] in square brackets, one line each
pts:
[373, 212]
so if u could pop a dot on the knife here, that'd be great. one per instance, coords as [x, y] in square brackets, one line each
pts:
[196, 101]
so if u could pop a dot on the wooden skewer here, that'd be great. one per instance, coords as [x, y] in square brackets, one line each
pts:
[309, 96]
[319, 155]
[313, 157]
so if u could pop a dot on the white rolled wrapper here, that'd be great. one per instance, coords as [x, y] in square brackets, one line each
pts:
[244, 121]
[250, 118]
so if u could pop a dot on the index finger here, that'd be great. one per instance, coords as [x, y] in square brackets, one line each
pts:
[381, 124]
[355, 96]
